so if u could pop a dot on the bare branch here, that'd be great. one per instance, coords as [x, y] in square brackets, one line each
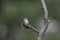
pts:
[45, 25]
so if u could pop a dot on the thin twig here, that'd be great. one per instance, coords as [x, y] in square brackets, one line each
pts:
[45, 25]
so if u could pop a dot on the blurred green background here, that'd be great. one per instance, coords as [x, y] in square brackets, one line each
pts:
[12, 13]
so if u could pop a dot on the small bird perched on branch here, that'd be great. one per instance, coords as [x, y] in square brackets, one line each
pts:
[26, 23]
